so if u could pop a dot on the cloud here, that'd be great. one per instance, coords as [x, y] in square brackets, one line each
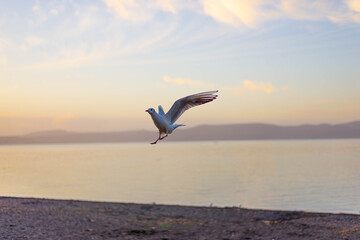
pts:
[187, 82]
[70, 59]
[265, 87]
[131, 10]
[85, 53]
[253, 12]
[250, 86]
[247, 86]
[144, 10]
[315, 10]
[354, 5]
[121, 7]
[172, 6]
[302, 10]
[248, 13]
[44, 10]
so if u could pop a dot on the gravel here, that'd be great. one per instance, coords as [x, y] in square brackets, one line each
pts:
[29, 218]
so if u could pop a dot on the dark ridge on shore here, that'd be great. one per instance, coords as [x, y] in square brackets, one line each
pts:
[249, 131]
[30, 218]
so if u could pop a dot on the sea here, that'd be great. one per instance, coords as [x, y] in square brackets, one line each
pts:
[306, 175]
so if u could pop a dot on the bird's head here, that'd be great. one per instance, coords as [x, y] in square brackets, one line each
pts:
[151, 111]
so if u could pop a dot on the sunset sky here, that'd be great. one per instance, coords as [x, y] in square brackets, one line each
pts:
[97, 65]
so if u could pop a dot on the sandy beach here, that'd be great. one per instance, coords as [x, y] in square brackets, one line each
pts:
[29, 218]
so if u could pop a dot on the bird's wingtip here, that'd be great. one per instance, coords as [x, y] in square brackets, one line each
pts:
[216, 91]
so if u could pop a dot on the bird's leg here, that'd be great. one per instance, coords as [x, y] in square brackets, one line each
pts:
[163, 137]
[159, 138]
[155, 141]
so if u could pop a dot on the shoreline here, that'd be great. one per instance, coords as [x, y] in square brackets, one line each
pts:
[35, 218]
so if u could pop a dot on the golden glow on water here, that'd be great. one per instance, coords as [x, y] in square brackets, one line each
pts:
[304, 175]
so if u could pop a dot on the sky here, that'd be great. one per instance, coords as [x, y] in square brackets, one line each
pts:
[97, 65]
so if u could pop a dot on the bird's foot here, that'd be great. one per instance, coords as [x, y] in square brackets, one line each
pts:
[156, 141]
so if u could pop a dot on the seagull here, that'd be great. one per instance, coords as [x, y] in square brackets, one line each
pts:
[165, 122]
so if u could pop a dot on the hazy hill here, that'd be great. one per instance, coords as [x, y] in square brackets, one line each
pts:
[251, 131]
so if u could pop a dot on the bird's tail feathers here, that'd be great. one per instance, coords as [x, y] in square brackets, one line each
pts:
[178, 125]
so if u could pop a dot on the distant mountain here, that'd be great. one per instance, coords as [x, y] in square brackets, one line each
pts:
[250, 131]
[49, 133]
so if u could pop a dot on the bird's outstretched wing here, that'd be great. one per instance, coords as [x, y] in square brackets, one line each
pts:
[183, 104]
[161, 111]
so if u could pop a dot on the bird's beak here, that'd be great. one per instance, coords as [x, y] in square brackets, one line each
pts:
[146, 110]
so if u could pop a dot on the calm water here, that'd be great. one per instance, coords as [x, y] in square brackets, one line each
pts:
[322, 175]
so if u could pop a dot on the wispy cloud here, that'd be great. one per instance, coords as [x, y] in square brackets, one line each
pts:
[42, 11]
[136, 10]
[265, 87]
[187, 82]
[123, 8]
[85, 54]
[117, 43]
[143, 10]
[247, 86]
[70, 59]
[253, 12]
[249, 13]
[334, 11]
[250, 86]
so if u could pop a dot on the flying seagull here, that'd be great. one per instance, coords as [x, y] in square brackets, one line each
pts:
[165, 122]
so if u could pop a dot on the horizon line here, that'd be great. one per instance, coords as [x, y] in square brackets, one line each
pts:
[190, 127]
